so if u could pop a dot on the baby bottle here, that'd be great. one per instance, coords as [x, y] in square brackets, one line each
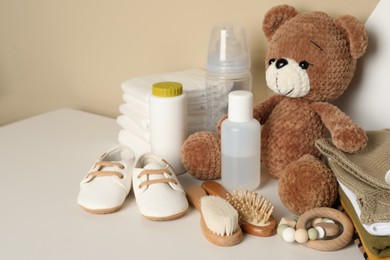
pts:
[228, 69]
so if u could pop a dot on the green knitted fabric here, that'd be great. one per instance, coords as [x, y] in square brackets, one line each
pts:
[364, 174]
[377, 245]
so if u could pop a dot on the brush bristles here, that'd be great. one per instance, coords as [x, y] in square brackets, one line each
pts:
[253, 208]
[220, 217]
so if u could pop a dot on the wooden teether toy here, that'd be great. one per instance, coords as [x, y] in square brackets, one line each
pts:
[323, 229]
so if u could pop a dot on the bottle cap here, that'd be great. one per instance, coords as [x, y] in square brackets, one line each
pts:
[167, 89]
[240, 107]
[228, 50]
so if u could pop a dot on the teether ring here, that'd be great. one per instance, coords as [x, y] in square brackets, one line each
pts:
[332, 244]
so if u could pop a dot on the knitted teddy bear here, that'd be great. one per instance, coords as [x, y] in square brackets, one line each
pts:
[310, 61]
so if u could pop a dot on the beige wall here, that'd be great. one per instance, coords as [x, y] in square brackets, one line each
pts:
[75, 53]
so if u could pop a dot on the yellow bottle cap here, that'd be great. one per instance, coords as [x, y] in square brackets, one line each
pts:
[167, 89]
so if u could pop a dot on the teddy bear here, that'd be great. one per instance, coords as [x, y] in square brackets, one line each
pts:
[310, 61]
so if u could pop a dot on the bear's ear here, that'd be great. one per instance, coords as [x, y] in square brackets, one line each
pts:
[275, 17]
[356, 34]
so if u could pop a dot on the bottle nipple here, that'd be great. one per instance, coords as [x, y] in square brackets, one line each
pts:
[228, 50]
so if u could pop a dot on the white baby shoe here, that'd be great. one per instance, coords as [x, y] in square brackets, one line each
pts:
[107, 184]
[158, 193]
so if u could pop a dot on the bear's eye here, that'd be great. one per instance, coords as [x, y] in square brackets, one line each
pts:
[271, 61]
[304, 64]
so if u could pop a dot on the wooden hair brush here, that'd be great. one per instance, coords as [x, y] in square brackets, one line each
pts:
[255, 211]
[219, 220]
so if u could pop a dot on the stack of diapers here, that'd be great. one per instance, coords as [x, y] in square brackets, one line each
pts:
[134, 117]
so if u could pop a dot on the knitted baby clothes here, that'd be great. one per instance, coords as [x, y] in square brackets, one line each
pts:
[364, 174]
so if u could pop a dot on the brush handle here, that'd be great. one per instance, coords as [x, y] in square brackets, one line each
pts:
[215, 188]
[225, 241]
[194, 194]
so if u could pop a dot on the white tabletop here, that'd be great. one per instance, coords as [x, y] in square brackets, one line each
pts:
[44, 158]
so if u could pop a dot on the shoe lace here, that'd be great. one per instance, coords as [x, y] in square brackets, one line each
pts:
[106, 173]
[155, 181]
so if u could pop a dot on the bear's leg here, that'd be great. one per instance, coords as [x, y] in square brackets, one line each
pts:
[307, 183]
[201, 155]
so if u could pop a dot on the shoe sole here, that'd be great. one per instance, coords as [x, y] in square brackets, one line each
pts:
[164, 218]
[101, 211]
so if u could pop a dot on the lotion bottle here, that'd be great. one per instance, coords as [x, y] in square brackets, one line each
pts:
[240, 144]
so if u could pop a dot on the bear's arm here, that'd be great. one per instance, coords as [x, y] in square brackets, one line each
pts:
[346, 135]
[262, 110]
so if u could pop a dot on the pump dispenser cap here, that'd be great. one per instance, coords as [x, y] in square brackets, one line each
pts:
[167, 89]
[240, 106]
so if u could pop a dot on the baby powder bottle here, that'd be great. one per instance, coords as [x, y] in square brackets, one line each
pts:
[168, 122]
[240, 144]
[228, 69]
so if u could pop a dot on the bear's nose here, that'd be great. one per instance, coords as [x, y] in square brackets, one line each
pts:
[280, 63]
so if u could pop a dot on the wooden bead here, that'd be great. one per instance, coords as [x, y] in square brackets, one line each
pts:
[313, 234]
[281, 228]
[290, 221]
[321, 232]
[331, 229]
[328, 220]
[316, 221]
[288, 234]
[301, 236]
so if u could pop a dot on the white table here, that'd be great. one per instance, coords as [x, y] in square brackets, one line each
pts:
[43, 159]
